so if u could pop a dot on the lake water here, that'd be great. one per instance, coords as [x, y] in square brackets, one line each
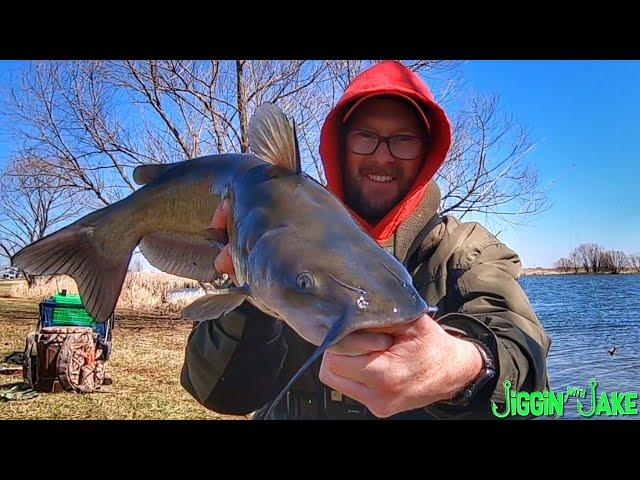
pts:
[585, 316]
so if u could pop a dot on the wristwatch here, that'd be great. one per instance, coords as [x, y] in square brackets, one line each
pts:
[464, 398]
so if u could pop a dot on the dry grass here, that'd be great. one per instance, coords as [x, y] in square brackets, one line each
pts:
[7, 286]
[148, 351]
[142, 291]
[149, 291]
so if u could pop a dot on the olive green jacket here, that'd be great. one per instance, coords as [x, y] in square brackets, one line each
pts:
[238, 364]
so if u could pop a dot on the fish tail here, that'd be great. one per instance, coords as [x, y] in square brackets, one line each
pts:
[90, 253]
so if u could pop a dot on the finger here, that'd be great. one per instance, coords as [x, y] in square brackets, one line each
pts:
[220, 216]
[352, 389]
[365, 369]
[223, 262]
[359, 343]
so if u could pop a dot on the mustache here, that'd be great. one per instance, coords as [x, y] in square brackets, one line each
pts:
[391, 171]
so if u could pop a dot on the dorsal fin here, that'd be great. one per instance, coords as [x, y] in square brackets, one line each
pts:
[297, 147]
[144, 174]
[273, 138]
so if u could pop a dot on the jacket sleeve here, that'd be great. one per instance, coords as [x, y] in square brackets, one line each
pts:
[486, 302]
[232, 364]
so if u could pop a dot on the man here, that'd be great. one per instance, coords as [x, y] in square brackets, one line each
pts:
[381, 146]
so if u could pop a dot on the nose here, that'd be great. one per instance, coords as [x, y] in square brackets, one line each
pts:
[382, 154]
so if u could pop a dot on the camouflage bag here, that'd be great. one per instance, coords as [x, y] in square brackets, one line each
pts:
[63, 358]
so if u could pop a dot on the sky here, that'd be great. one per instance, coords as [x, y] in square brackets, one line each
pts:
[585, 116]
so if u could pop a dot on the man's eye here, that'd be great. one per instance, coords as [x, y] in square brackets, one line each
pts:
[366, 135]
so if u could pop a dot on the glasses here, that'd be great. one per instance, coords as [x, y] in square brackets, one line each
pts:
[403, 147]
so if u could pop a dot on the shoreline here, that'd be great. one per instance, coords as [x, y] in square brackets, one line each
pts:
[555, 271]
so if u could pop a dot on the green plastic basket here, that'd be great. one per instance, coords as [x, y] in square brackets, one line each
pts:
[70, 311]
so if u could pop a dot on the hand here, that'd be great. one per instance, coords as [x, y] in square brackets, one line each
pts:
[422, 365]
[223, 262]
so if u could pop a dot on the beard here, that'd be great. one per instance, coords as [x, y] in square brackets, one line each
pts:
[370, 208]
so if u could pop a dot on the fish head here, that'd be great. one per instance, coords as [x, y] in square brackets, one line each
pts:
[318, 280]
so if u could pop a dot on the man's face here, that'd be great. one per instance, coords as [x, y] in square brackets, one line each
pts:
[376, 182]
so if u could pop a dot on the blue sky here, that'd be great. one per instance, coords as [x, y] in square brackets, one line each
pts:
[586, 117]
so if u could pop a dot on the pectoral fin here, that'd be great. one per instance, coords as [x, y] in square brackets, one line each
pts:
[215, 305]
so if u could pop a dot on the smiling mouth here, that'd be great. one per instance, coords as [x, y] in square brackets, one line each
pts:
[380, 178]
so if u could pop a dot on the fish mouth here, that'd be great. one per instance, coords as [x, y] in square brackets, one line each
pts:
[381, 328]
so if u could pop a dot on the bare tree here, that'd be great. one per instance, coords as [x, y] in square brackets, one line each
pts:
[31, 205]
[564, 264]
[95, 121]
[634, 261]
[581, 252]
[92, 122]
[486, 172]
[615, 261]
[64, 114]
[204, 107]
[606, 262]
[596, 255]
[576, 261]
[590, 256]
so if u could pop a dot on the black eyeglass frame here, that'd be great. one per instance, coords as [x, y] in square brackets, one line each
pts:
[384, 139]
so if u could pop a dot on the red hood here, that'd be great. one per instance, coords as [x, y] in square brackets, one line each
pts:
[388, 77]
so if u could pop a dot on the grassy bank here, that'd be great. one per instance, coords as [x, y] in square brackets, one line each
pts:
[148, 350]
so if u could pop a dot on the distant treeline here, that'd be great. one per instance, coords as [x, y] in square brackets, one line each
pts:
[592, 258]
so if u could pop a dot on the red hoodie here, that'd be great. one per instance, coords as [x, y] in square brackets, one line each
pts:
[388, 77]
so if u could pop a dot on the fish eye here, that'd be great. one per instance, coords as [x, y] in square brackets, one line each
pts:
[305, 281]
